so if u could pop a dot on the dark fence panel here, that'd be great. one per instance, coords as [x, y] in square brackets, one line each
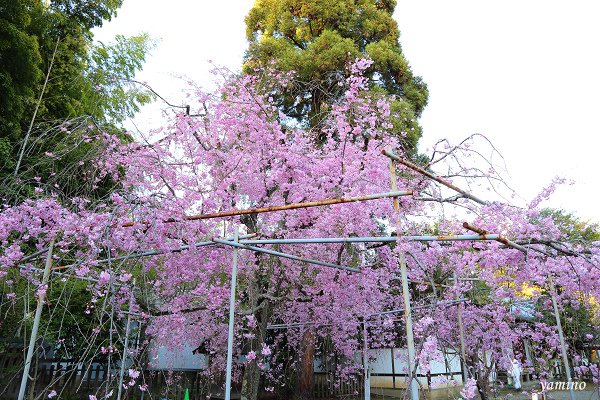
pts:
[327, 386]
[72, 380]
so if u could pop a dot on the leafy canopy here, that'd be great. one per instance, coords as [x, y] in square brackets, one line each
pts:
[318, 39]
[56, 85]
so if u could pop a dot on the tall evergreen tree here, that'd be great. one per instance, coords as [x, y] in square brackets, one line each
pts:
[318, 38]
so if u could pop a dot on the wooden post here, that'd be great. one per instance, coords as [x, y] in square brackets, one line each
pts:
[306, 378]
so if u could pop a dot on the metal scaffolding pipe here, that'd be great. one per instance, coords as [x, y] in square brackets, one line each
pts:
[150, 253]
[375, 239]
[400, 310]
[36, 324]
[33, 255]
[63, 274]
[126, 344]
[181, 248]
[367, 370]
[436, 178]
[410, 341]
[461, 331]
[231, 319]
[285, 255]
[293, 325]
[246, 239]
[292, 206]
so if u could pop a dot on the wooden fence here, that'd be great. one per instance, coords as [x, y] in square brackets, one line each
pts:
[75, 380]
[326, 387]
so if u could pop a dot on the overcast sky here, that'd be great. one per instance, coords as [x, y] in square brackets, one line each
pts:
[523, 73]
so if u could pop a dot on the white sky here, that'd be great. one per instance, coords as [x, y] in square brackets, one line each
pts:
[524, 73]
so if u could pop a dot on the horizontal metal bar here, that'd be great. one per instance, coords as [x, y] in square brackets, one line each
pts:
[181, 248]
[150, 253]
[248, 241]
[294, 325]
[292, 206]
[285, 255]
[436, 178]
[375, 239]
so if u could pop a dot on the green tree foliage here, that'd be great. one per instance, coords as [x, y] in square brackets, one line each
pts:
[20, 72]
[574, 229]
[87, 14]
[47, 53]
[70, 323]
[578, 321]
[318, 38]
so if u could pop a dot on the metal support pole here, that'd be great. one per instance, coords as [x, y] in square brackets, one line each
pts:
[561, 336]
[36, 323]
[126, 344]
[231, 318]
[366, 363]
[410, 341]
[463, 353]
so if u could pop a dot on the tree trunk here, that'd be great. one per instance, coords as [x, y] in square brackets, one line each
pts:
[483, 381]
[306, 378]
[252, 373]
[482, 390]
[251, 381]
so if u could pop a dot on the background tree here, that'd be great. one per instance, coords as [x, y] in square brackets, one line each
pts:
[318, 39]
[579, 314]
[58, 87]
[20, 71]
